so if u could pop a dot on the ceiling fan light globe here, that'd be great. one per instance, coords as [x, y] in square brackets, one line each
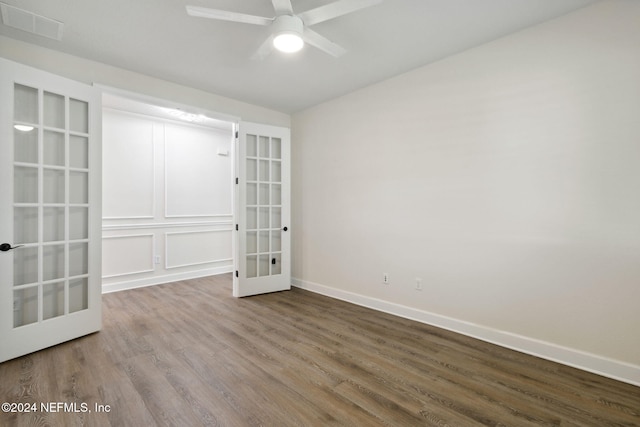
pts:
[288, 42]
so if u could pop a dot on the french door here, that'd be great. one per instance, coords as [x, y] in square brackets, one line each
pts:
[263, 243]
[50, 200]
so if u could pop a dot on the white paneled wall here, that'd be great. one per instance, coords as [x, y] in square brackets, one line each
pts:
[167, 200]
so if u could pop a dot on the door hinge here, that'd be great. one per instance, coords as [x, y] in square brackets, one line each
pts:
[236, 134]
[237, 181]
[236, 273]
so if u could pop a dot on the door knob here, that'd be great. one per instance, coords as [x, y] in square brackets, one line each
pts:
[285, 229]
[7, 247]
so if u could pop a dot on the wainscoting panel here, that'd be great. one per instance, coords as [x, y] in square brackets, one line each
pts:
[128, 254]
[192, 248]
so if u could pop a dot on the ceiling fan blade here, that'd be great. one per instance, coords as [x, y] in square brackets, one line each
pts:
[322, 43]
[224, 15]
[264, 50]
[282, 7]
[334, 10]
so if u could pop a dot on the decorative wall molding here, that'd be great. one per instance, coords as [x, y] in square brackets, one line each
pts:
[222, 250]
[199, 216]
[112, 218]
[144, 260]
[209, 178]
[594, 363]
[153, 124]
[110, 227]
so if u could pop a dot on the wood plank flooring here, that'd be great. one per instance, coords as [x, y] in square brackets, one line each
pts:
[189, 354]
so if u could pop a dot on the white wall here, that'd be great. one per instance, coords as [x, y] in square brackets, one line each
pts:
[167, 200]
[506, 178]
[90, 72]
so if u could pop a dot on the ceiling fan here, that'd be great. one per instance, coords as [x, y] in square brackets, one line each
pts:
[290, 31]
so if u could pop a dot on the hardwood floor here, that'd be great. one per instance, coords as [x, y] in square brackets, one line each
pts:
[189, 354]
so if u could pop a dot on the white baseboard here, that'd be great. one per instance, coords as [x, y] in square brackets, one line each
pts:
[600, 365]
[159, 280]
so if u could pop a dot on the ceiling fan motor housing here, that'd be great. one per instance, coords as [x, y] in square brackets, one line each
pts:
[287, 24]
[287, 32]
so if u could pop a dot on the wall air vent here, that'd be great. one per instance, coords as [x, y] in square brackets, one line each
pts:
[30, 22]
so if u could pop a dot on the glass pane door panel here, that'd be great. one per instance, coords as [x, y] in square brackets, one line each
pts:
[264, 170]
[263, 241]
[78, 259]
[78, 116]
[252, 170]
[53, 185]
[276, 148]
[263, 147]
[25, 185]
[78, 223]
[276, 266]
[25, 146]
[53, 224]
[252, 150]
[25, 103]
[25, 266]
[276, 171]
[276, 217]
[53, 105]
[53, 148]
[78, 187]
[252, 218]
[78, 294]
[252, 266]
[25, 225]
[263, 218]
[276, 194]
[252, 242]
[276, 240]
[263, 265]
[252, 194]
[25, 310]
[52, 300]
[52, 262]
[264, 194]
[78, 152]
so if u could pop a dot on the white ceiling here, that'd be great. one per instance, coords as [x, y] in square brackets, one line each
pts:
[158, 38]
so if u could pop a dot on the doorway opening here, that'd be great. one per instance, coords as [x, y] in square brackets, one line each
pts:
[168, 198]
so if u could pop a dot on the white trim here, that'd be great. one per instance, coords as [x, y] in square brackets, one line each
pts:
[105, 218]
[196, 215]
[152, 281]
[111, 227]
[607, 367]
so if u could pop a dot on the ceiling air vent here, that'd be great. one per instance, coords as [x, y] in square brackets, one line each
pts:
[30, 22]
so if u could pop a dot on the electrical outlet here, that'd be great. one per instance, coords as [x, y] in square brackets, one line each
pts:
[418, 284]
[156, 259]
[385, 278]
